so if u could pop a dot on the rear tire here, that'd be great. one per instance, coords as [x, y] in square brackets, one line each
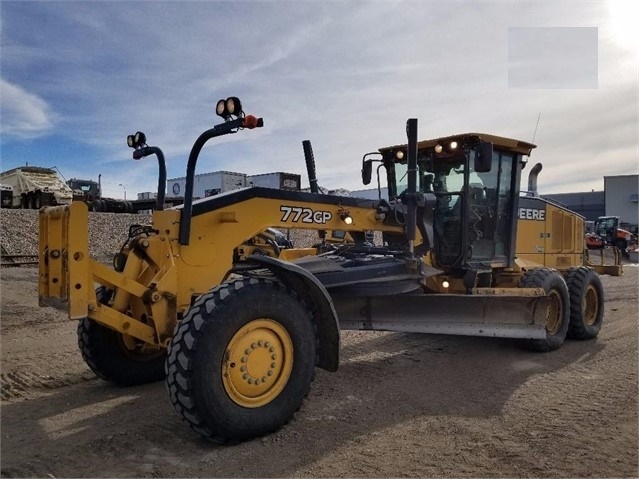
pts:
[107, 354]
[37, 200]
[586, 302]
[242, 360]
[558, 313]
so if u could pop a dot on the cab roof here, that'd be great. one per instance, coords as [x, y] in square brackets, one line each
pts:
[499, 142]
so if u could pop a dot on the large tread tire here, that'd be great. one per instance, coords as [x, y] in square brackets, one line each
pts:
[106, 355]
[558, 311]
[202, 345]
[37, 200]
[586, 302]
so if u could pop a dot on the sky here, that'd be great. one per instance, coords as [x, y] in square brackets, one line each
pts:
[77, 77]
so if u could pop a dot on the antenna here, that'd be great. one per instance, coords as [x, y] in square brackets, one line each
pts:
[536, 126]
[58, 170]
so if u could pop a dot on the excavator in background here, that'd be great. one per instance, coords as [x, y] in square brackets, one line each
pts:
[237, 342]
[608, 233]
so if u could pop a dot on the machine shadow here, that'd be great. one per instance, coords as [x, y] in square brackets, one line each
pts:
[421, 375]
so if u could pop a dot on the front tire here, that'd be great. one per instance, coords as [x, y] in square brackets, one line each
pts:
[586, 302]
[558, 312]
[115, 357]
[242, 360]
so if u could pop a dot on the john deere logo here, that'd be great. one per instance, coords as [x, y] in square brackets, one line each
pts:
[532, 214]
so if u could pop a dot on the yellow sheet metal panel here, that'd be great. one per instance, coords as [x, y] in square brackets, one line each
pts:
[43, 264]
[167, 223]
[52, 251]
[80, 281]
[203, 263]
[295, 253]
[531, 234]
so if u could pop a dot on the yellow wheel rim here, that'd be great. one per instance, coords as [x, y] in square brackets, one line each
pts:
[555, 313]
[258, 363]
[590, 305]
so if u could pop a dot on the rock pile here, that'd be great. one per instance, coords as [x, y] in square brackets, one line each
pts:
[107, 231]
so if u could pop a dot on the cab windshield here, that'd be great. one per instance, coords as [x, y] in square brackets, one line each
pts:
[467, 204]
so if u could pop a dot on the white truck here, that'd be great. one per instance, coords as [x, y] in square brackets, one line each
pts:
[34, 186]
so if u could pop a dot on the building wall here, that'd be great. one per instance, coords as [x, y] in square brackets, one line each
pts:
[589, 204]
[207, 184]
[622, 199]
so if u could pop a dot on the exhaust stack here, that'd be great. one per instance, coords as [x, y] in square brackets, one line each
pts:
[532, 180]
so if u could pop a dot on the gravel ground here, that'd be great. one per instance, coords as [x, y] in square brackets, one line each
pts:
[400, 404]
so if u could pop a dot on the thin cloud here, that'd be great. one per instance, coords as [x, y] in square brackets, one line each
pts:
[24, 115]
[345, 75]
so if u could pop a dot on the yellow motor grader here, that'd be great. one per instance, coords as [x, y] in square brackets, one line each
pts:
[238, 341]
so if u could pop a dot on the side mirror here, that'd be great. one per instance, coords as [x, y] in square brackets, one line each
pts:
[367, 171]
[483, 157]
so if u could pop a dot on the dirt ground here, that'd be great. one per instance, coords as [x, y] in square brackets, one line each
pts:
[400, 405]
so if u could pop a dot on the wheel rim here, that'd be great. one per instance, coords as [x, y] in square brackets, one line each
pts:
[555, 313]
[258, 363]
[590, 305]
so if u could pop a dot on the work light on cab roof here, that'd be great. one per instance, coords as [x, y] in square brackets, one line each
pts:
[452, 146]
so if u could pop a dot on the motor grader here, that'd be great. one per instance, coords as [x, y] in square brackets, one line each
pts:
[238, 342]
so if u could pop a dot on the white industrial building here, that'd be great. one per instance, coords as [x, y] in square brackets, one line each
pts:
[209, 184]
[622, 199]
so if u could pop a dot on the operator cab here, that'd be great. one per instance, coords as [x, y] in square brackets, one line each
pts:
[468, 185]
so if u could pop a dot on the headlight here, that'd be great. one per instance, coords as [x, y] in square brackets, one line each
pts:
[346, 217]
[220, 109]
[628, 237]
[233, 105]
[139, 138]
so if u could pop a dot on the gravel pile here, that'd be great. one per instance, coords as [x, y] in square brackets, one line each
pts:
[107, 232]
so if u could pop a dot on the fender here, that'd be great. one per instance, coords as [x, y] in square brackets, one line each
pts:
[314, 294]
